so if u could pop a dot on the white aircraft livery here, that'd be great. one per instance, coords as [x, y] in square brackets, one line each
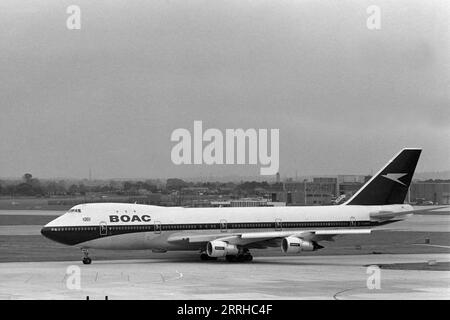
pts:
[231, 232]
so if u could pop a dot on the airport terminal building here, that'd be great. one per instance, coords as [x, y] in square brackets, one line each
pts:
[423, 192]
[333, 190]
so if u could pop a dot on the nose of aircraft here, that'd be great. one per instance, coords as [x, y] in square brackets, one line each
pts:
[66, 235]
[51, 234]
[45, 231]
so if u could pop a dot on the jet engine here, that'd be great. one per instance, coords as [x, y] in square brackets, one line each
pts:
[217, 248]
[291, 245]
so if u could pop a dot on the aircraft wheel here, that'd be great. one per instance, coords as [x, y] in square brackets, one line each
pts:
[204, 257]
[87, 260]
[231, 258]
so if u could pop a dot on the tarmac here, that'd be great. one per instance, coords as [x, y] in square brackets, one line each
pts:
[292, 277]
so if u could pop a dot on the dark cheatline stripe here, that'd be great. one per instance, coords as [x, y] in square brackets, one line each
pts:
[79, 234]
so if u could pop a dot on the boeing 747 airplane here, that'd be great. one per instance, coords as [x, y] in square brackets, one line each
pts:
[232, 232]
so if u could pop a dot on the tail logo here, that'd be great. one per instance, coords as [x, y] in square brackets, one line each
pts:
[395, 177]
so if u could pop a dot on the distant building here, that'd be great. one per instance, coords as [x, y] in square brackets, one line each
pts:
[319, 191]
[349, 184]
[194, 190]
[247, 202]
[426, 191]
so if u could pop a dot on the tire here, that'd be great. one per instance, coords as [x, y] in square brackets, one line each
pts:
[231, 258]
[204, 257]
[87, 260]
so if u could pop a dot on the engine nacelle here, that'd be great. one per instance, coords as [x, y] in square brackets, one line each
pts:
[296, 245]
[217, 248]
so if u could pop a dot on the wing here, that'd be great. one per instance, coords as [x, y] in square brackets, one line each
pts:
[260, 240]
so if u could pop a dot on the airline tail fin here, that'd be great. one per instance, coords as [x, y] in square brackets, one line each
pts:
[390, 185]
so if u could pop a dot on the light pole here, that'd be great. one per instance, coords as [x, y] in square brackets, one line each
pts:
[304, 189]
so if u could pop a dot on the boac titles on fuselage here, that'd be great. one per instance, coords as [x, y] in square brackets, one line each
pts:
[126, 218]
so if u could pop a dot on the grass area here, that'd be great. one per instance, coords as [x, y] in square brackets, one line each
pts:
[29, 204]
[12, 220]
[54, 203]
[38, 248]
[436, 266]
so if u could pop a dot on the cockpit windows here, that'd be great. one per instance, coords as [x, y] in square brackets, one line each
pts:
[75, 210]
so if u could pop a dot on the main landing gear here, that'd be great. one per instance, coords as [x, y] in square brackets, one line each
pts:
[205, 257]
[86, 259]
[244, 256]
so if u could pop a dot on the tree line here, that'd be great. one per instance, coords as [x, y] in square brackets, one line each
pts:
[31, 186]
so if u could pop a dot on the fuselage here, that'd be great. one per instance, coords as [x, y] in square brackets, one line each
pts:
[132, 226]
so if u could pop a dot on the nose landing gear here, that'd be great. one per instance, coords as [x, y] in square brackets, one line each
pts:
[86, 259]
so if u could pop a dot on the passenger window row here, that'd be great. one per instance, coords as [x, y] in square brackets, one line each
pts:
[218, 226]
[73, 229]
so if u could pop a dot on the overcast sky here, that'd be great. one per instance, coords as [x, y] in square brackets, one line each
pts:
[108, 96]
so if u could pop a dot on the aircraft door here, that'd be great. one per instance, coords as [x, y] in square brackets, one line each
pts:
[278, 225]
[103, 229]
[223, 225]
[157, 227]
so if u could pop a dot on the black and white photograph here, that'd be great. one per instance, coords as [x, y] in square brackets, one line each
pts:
[245, 152]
